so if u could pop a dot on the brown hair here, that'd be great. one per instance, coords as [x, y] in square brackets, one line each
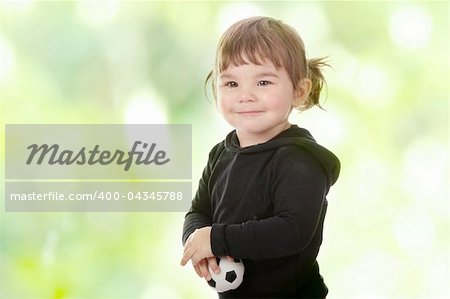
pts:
[259, 39]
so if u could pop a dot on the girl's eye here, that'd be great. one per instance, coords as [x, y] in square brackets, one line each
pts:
[263, 83]
[231, 84]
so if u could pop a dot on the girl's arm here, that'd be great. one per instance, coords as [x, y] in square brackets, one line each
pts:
[199, 214]
[199, 219]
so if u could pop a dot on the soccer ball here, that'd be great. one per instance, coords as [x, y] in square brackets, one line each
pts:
[230, 275]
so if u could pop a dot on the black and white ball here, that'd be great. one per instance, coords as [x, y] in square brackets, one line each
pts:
[230, 275]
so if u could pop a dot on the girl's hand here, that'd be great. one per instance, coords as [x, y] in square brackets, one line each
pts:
[197, 246]
[202, 268]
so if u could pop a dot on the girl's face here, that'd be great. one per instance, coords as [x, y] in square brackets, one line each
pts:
[256, 100]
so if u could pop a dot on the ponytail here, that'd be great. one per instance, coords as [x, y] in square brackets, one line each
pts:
[315, 67]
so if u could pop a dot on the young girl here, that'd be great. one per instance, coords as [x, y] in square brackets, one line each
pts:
[261, 197]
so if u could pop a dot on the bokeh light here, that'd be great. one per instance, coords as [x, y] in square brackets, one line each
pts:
[235, 11]
[145, 108]
[410, 27]
[373, 82]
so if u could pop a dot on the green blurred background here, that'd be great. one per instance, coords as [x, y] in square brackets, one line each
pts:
[387, 228]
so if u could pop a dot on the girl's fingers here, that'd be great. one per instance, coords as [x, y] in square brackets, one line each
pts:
[213, 265]
[230, 258]
[203, 264]
[197, 269]
[187, 256]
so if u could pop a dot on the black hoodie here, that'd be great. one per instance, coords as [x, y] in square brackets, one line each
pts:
[266, 205]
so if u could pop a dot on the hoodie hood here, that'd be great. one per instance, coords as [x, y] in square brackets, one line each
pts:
[293, 136]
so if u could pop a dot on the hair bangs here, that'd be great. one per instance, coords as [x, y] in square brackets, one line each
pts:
[250, 46]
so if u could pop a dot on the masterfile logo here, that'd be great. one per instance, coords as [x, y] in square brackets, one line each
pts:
[94, 156]
[98, 167]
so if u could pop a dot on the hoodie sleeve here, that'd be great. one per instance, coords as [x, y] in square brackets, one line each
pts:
[298, 195]
[199, 214]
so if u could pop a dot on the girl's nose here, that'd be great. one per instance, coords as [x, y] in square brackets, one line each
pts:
[247, 95]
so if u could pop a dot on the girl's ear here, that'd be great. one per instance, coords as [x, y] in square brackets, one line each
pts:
[302, 92]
